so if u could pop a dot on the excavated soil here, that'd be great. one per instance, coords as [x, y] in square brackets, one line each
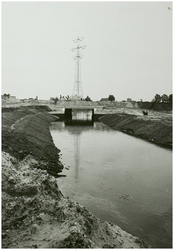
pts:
[35, 214]
[156, 127]
[25, 131]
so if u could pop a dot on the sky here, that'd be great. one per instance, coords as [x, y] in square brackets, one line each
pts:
[128, 50]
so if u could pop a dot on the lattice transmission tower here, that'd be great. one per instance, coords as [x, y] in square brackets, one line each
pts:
[77, 90]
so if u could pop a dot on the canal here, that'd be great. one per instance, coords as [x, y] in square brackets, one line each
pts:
[119, 178]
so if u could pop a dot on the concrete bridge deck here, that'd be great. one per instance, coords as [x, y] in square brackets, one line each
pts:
[61, 109]
[80, 107]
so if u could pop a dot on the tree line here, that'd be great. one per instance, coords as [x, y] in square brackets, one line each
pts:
[6, 95]
[157, 98]
[163, 98]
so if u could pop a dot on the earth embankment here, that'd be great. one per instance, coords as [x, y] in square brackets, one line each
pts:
[155, 128]
[35, 214]
[25, 131]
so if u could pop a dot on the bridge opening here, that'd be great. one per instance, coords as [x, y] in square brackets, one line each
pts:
[77, 116]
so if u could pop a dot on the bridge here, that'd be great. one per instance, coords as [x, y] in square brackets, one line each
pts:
[78, 115]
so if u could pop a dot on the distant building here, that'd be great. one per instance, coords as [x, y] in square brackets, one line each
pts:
[104, 100]
[12, 97]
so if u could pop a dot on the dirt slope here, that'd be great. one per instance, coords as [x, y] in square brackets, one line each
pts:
[26, 131]
[35, 214]
[156, 128]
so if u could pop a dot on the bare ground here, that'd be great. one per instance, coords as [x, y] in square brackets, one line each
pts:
[35, 214]
[156, 127]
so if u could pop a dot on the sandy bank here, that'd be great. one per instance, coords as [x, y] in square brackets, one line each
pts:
[35, 214]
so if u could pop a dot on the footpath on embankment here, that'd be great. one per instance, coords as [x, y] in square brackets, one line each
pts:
[35, 214]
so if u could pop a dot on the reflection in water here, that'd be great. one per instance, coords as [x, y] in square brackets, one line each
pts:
[77, 154]
[79, 129]
[54, 125]
[118, 178]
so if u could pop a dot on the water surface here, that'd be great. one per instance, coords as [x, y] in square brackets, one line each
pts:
[119, 178]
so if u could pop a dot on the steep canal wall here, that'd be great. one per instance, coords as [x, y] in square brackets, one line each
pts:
[35, 214]
[152, 129]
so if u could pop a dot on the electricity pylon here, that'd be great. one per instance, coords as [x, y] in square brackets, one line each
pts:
[77, 90]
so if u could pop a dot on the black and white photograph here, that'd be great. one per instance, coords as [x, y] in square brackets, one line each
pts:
[86, 124]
